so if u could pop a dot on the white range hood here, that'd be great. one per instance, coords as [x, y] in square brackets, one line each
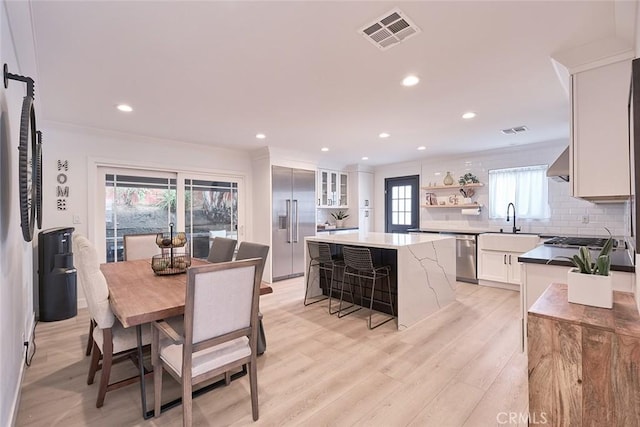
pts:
[559, 170]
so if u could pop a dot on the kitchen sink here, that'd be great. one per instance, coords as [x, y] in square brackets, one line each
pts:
[508, 242]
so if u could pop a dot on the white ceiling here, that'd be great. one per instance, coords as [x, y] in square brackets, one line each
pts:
[219, 72]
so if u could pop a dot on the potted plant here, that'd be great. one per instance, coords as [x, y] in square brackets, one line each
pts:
[339, 216]
[590, 282]
[468, 178]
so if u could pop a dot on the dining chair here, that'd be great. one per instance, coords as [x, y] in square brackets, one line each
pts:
[136, 246]
[221, 250]
[248, 250]
[112, 343]
[140, 246]
[220, 331]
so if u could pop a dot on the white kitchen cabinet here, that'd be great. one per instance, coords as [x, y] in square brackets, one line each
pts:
[362, 189]
[333, 189]
[343, 189]
[365, 220]
[599, 153]
[365, 190]
[499, 266]
[498, 258]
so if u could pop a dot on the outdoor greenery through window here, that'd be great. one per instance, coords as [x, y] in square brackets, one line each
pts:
[526, 187]
[149, 202]
[211, 209]
[136, 205]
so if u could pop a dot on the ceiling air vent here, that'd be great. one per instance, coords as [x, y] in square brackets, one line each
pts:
[389, 29]
[515, 130]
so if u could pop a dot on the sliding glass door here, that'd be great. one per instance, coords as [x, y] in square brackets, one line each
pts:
[211, 209]
[137, 201]
[136, 204]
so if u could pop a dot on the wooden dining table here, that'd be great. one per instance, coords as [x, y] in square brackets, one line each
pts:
[138, 296]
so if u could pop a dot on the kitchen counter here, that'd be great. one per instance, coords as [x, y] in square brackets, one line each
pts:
[620, 259]
[326, 230]
[380, 240]
[423, 267]
[449, 230]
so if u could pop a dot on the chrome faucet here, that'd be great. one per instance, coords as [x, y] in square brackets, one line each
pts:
[511, 205]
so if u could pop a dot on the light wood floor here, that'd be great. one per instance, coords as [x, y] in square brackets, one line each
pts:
[460, 367]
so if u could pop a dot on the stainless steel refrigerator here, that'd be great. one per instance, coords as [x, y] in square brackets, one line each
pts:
[294, 217]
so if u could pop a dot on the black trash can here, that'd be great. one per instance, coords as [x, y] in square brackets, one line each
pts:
[57, 288]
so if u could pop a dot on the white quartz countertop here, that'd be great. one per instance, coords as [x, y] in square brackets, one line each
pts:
[379, 240]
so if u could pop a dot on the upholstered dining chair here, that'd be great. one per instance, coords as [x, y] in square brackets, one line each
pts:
[248, 250]
[136, 246]
[220, 331]
[140, 246]
[221, 250]
[111, 341]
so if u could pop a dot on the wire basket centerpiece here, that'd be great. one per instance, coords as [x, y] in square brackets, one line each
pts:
[175, 257]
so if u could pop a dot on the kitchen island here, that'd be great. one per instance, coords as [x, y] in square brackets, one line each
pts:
[423, 269]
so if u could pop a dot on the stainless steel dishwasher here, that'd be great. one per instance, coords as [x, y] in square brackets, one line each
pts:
[465, 257]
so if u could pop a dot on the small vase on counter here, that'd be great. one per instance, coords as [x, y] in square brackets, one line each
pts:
[339, 223]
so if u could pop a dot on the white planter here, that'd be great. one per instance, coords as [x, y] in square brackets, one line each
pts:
[590, 289]
[339, 222]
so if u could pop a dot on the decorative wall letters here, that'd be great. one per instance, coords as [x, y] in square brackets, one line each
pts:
[62, 190]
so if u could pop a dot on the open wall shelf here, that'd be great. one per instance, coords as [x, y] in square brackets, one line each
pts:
[471, 206]
[452, 187]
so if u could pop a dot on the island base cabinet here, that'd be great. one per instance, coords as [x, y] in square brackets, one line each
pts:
[581, 375]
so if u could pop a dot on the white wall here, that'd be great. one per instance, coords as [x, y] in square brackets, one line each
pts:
[85, 148]
[380, 174]
[566, 212]
[16, 255]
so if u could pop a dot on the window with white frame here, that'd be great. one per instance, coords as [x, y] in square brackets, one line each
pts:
[526, 187]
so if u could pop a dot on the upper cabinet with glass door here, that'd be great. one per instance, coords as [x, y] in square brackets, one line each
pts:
[333, 189]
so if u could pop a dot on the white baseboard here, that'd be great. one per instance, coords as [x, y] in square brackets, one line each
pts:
[636, 285]
[15, 404]
[501, 285]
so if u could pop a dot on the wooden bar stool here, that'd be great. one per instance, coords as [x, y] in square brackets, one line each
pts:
[358, 264]
[320, 257]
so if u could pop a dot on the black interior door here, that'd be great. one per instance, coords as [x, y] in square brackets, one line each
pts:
[401, 203]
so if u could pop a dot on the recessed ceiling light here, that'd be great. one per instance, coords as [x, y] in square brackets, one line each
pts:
[422, 147]
[124, 108]
[384, 135]
[410, 81]
[261, 135]
[365, 158]
[469, 115]
[324, 149]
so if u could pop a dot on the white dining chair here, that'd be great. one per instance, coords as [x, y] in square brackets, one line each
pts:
[111, 341]
[220, 331]
[140, 246]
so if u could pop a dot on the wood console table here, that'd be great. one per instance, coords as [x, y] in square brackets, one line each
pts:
[584, 362]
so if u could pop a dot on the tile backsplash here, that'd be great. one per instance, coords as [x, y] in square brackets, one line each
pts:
[569, 216]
